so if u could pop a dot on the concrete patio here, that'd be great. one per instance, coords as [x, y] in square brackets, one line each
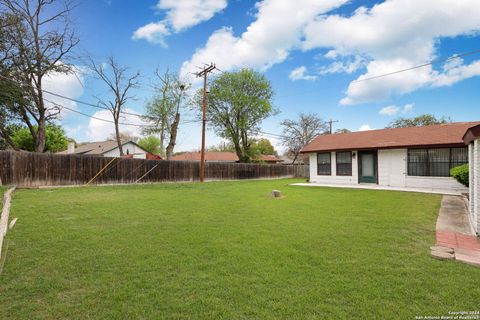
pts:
[454, 234]
[377, 187]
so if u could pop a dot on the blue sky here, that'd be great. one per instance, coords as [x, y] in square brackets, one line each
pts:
[310, 50]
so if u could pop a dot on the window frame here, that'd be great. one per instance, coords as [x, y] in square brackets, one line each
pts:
[344, 164]
[329, 162]
[427, 164]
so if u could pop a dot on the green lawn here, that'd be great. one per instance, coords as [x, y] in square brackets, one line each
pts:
[225, 250]
[2, 191]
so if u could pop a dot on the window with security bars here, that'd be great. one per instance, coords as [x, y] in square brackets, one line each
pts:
[324, 165]
[344, 163]
[435, 162]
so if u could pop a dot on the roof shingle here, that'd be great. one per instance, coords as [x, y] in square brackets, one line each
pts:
[434, 135]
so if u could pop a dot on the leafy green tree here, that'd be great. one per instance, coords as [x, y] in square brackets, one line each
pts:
[40, 43]
[55, 141]
[259, 147]
[163, 113]
[151, 144]
[420, 121]
[263, 146]
[222, 147]
[344, 130]
[238, 102]
[11, 101]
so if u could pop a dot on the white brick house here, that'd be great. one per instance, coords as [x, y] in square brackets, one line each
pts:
[416, 157]
[106, 149]
[472, 139]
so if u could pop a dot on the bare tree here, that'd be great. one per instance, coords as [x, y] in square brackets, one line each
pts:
[298, 133]
[40, 42]
[119, 82]
[164, 112]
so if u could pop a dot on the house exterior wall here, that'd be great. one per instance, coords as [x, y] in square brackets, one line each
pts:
[132, 149]
[333, 178]
[392, 167]
[392, 171]
[474, 160]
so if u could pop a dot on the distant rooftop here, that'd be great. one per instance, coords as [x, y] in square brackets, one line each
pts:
[95, 148]
[219, 156]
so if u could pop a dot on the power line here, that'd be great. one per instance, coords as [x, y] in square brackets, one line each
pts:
[419, 66]
[75, 100]
[97, 118]
[95, 106]
[460, 55]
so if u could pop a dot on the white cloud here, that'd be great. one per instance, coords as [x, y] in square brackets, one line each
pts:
[455, 72]
[69, 85]
[408, 108]
[390, 36]
[183, 14]
[180, 15]
[154, 32]
[394, 110]
[277, 30]
[389, 110]
[331, 54]
[395, 35]
[365, 127]
[300, 73]
[346, 66]
[99, 130]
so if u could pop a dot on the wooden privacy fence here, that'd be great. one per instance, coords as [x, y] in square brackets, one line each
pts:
[26, 169]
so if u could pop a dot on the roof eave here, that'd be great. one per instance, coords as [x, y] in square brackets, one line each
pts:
[416, 146]
[471, 134]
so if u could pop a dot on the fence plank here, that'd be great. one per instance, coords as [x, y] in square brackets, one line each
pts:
[26, 169]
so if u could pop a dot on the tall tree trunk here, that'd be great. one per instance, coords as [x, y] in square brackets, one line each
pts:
[117, 134]
[246, 156]
[41, 123]
[173, 136]
[6, 137]
[162, 138]
[40, 141]
[295, 158]
[242, 157]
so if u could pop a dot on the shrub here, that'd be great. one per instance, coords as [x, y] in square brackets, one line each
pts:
[460, 174]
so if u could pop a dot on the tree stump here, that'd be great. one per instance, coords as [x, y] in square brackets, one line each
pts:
[276, 194]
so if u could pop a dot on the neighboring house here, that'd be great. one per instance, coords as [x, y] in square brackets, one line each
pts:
[301, 159]
[416, 157]
[214, 156]
[107, 149]
[472, 139]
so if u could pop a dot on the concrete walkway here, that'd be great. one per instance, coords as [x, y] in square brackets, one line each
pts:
[369, 186]
[454, 235]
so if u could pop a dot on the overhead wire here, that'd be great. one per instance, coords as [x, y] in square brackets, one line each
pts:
[436, 61]
[95, 106]
[418, 66]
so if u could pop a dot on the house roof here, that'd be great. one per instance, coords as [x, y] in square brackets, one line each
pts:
[97, 148]
[450, 134]
[219, 156]
[270, 158]
[471, 134]
[209, 156]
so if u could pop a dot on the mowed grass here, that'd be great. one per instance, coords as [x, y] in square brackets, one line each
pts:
[2, 192]
[225, 250]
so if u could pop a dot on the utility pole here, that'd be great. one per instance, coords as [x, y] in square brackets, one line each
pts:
[331, 122]
[204, 73]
